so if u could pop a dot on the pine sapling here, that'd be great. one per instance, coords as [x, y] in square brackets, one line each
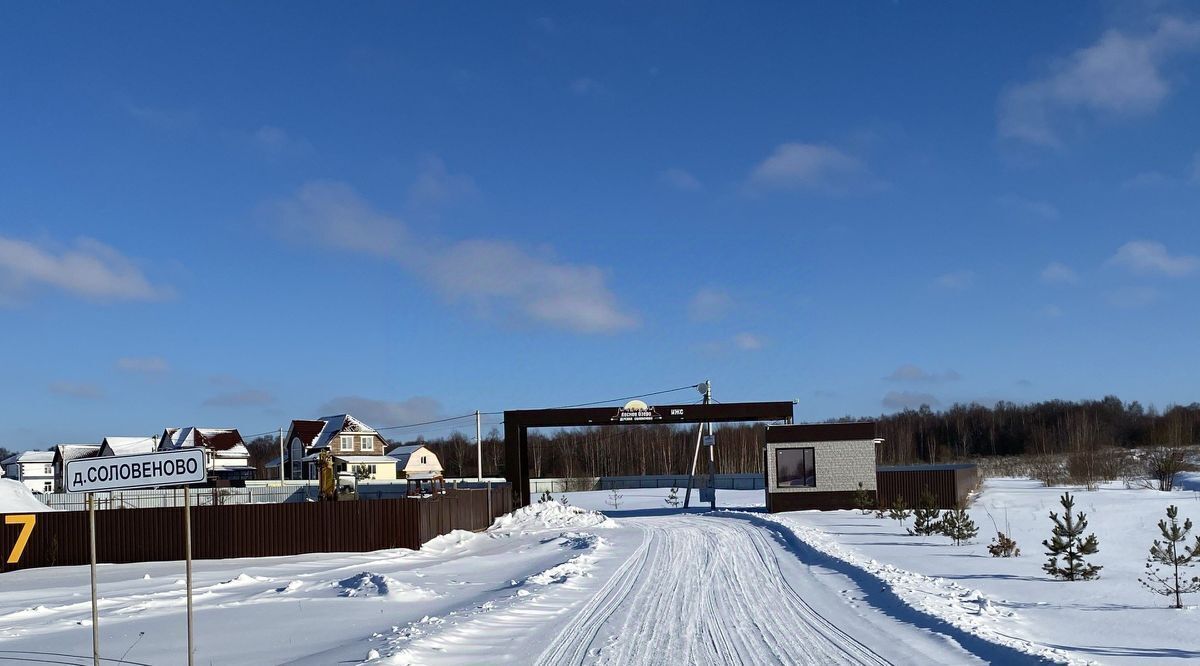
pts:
[957, 525]
[1003, 546]
[673, 497]
[546, 497]
[862, 500]
[927, 516]
[898, 510]
[614, 499]
[1069, 544]
[1172, 552]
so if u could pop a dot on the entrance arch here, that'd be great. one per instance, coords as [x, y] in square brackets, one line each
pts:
[518, 422]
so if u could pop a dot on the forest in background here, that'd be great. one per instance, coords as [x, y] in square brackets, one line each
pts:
[912, 436]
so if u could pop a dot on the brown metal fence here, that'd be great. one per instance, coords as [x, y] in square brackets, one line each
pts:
[950, 484]
[60, 538]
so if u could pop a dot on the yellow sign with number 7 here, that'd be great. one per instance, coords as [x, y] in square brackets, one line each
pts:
[26, 521]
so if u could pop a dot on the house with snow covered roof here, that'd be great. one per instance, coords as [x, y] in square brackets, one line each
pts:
[351, 442]
[65, 453]
[225, 454]
[414, 461]
[127, 446]
[35, 469]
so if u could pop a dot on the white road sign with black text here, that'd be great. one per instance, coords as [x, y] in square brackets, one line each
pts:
[144, 470]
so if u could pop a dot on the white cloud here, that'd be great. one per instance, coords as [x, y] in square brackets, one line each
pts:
[488, 274]
[1051, 312]
[911, 373]
[908, 400]
[1151, 257]
[1031, 207]
[146, 365]
[748, 341]
[243, 398]
[385, 413]
[585, 87]
[1147, 179]
[956, 281]
[435, 184]
[77, 390]
[680, 180]
[277, 142]
[160, 118]
[1057, 273]
[796, 166]
[89, 269]
[1134, 297]
[709, 304]
[1119, 75]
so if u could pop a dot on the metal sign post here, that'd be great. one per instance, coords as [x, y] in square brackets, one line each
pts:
[91, 503]
[187, 549]
[147, 470]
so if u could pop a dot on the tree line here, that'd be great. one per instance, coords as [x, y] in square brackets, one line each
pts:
[921, 435]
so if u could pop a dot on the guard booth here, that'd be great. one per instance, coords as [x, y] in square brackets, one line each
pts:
[819, 466]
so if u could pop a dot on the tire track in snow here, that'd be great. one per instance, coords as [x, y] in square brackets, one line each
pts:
[702, 590]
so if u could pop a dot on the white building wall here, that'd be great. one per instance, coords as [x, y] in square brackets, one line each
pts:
[839, 466]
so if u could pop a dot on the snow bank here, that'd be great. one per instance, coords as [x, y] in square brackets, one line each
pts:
[964, 608]
[369, 583]
[553, 515]
[15, 497]
[444, 543]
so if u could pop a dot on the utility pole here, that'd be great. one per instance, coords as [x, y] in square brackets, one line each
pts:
[281, 457]
[478, 448]
[705, 388]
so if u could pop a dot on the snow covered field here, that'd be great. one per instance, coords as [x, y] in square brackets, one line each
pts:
[647, 584]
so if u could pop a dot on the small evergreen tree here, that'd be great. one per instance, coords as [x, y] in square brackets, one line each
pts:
[546, 497]
[898, 510]
[614, 499]
[1003, 546]
[563, 500]
[1068, 543]
[957, 525]
[1172, 553]
[926, 517]
[862, 500]
[673, 497]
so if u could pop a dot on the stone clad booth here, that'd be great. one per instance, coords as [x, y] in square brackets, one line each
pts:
[818, 466]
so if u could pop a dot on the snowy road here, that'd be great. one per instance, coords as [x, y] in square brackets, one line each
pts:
[699, 589]
[711, 590]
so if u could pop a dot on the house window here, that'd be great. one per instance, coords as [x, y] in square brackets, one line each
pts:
[423, 461]
[49, 469]
[48, 486]
[794, 468]
[296, 465]
[347, 443]
[367, 443]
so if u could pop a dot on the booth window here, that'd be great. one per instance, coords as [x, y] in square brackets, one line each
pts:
[794, 468]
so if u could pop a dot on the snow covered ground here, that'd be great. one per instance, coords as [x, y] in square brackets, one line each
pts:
[1112, 620]
[646, 584]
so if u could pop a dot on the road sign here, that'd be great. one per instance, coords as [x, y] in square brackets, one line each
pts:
[709, 440]
[144, 470]
[180, 467]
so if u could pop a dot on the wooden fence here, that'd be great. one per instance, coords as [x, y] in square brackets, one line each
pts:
[60, 538]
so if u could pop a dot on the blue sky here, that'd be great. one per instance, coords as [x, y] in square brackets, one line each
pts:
[232, 215]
